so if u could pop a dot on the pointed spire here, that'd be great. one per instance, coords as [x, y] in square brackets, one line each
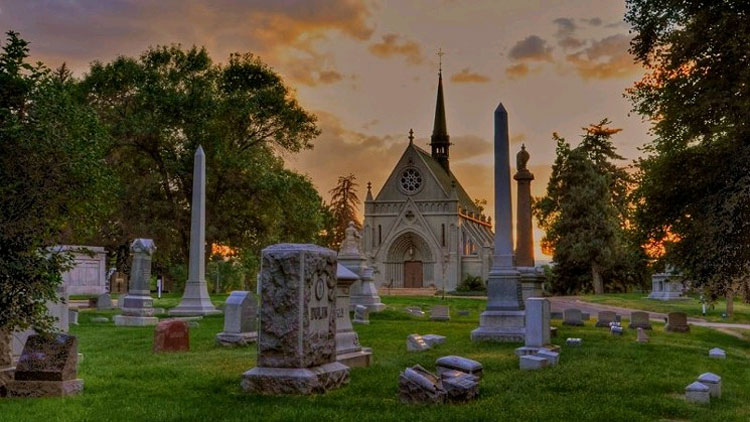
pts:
[440, 141]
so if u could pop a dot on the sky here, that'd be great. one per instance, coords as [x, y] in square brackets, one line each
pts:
[368, 69]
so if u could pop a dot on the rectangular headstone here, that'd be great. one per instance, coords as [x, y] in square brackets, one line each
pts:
[458, 363]
[47, 367]
[297, 336]
[440, 313]
[537, 322]
[677, 322]
[605, 318]
[532, 362]
[640, 319]
[572, 316]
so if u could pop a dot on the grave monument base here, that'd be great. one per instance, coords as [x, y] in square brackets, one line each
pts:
[277, 381]
[358, 359]
[500, 326]
[134, 321]
[236, 339]
[45, 388]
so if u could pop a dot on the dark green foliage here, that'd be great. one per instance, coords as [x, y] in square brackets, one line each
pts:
[471, 283]
[159, 108]
[53, 181]
[694, 185]
[343, 210]
[585, 215]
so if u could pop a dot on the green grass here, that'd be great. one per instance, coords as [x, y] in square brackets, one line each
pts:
[609, 378]
[691, 306]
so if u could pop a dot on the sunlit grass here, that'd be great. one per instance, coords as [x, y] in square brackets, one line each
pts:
[691, 306]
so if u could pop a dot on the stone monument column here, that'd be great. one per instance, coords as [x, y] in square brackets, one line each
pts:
[195, 300]
[297, 336]
[363, 291]
[531, 280]
[503, 321]
[138, 305]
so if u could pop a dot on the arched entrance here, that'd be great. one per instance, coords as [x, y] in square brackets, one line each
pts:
[410, 262]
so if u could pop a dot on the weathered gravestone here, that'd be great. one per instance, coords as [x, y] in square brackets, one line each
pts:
[459, 386]
[415, 343]
[573, 317]
[416, 385]
[361, 314]
[240, 320]
[717, 353]
[552, 357]
[73, 317]
[104, 302]
[458, 363]
[537, 333]
[639, 319]
[605, 318]
[172, 335]
[677, 322]
[642, 336]
[532, 362]
[47, 367]
[440, 313]
[297, 337]
[414, 311]
[712, 381]
[138, 305]
[697, 393]
[433, 339]
[348, 350]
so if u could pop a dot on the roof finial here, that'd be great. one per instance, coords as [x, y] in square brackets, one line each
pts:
[440, 55]
[411, 136]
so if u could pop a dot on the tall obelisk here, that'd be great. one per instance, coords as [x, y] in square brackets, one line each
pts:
[503, 321]
[195, 300]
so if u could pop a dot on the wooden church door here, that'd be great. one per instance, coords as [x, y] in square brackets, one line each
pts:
[412, 274]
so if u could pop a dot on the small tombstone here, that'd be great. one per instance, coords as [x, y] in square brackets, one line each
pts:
[713, 382]
[433, 339]
[573, 342]
[47, 367]
[677, 322]
[640, 319]
[532, 362]
[415, 343]
[297, 332]
[460, 387]
[104, 302]
[458, 363]
[72, 316]
[573, 317]
[416, 385]
[537, 333]
[717, 353]
[361, 314]
[616, 330]
[552, 357]
[100, 319]
[642, 336]
[553, 331]
[440, 313]
[605, 318]
[240, 320]
[697, 393]
[172, 335]
[463, 312]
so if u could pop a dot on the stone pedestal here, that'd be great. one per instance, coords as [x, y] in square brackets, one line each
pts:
[297, 336]
[138, 305]
[531, 283]
[240, 320]
[47, 368]
[348, 350]
[503, 321]
[537, 333]
[195, 300]
[362, 291]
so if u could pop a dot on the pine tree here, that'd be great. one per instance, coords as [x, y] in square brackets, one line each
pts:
[344, 206]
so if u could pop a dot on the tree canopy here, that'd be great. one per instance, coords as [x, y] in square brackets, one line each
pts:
[694, 184]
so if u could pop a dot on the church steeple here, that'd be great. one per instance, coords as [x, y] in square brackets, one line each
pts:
[440, 141]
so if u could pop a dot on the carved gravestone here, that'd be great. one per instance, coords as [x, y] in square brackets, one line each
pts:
[677, 322]
[416, 385]
[573, 317]
[138, 305]
[605, 318]
[415, 343]
[104, 302]
[47, 367]
[440, 313]
[296, 340]
[240, 320]
[172, 335]
[348, 349]
[639, 319]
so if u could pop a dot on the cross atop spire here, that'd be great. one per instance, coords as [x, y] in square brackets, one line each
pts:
[440, 55]
[411, 136]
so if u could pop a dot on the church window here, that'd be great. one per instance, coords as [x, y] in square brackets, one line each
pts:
[442, 226]
[380, 234]
[411, 180]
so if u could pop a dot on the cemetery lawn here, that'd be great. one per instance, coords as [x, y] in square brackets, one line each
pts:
[608, 378]
[691, 306]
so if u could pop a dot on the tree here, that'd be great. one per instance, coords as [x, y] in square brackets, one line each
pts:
[585, 215]
[52, 181]
[159, 107]
[694, 184]
[344, 205]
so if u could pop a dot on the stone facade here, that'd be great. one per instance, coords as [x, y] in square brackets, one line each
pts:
[297, 336]
[666, 286]
[89, 273]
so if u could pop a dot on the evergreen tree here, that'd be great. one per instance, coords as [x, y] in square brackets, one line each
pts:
[344, 206]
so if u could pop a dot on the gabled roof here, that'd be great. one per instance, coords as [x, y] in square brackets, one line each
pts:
[446, 179]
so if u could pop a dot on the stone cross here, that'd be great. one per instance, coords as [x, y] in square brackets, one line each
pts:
[195, 300]
[297, 335]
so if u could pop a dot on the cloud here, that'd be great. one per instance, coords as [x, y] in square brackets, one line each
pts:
[467, 76]
[518, 70]
[605, 58]
[531, 48]
[593, 21]
[566, 29]
[394, 45]
[469, 146]
[283, 33]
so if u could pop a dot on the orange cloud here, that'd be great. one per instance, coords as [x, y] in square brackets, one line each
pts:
[467, 76]
[393, 45]
[606, 58]
[519, 70]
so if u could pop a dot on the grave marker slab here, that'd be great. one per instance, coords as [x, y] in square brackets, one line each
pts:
[677, 322]
[47, 367]
[172, 335]
[415, 343]
[572, 316]
[605, 318]
[639, 319]
[416, 385]
[717, 353]
[713, 382]
[532, 362]
[697, 393]
[240, 320]
[297, 336]
[104, 302]
[433, 339]
[440, 313]
[458, 363]
[348, 349]
[537, 333]
[642, 336]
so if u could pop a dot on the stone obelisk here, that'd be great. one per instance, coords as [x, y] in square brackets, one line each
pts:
[503, 321]
[195, 300]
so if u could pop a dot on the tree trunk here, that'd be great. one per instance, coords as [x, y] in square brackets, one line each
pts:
[730, 304]
[597, 279]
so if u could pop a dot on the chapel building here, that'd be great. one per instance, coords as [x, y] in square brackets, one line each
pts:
[423, 229]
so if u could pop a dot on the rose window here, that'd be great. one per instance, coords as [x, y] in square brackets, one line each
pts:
[411, 180]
